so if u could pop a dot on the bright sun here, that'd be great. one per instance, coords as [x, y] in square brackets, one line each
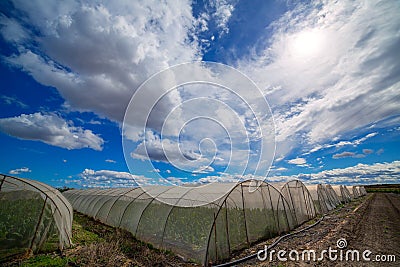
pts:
[306, 44]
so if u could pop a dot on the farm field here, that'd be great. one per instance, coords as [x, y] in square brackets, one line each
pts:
[383, 188]
[370, 222]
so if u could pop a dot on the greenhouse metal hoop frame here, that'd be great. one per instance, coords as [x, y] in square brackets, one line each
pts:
[32, 184]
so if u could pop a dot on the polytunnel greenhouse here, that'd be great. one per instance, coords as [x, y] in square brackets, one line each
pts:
[322, 201]
[333, 197]
[362, 190]
[300, 200]
[33, 217]
[355, 192]
[197, 227]
[343, 193]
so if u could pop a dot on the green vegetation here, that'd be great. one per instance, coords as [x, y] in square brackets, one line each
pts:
[188, 229]
[80, 233]
[46, 260]
[19, 220]
[96, 244]
[383, 188]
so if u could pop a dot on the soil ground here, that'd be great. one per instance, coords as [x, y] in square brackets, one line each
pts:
[369, 223]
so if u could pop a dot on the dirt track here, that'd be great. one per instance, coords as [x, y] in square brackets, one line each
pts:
[379, 228]
[370, 223]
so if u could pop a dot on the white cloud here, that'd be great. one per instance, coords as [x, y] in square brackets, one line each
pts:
[368, 151]
[163, 150]
[19, 171]
[94, 122]
[109, 178]
[217, 179]
[8, 100]
[213, 126]
[347, 81]
[297, 161]
[340, 144]
[223, 12]
[50, 129]
[362, 174]
[176, 181]
[347, 154]
[279, 169]
[96, 55]
[217, 14]
[110, 161]
[11, 30]
[204, 169]
[358, 174]
[387, 172]
[343, 155]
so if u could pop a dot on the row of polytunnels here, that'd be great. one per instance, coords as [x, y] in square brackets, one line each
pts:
[195, 224]
[202, 224]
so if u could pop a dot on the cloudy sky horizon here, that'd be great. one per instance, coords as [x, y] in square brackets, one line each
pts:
[329, 71]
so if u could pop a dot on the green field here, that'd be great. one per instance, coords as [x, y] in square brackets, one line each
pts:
[383, 188]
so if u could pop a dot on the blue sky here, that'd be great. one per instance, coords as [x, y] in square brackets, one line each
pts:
[330, 72]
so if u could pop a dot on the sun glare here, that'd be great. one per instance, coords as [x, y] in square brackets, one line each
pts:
[306, 44]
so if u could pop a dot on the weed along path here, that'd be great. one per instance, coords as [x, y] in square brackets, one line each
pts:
[369, 225]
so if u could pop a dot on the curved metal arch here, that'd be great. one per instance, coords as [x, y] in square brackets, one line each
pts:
[324, 194]
[225, 197]
[333, 194]
[118, 198]
[68, 206]
[95, 197]
[215, 217]
[169, 213]
[30, 183]
[273, 209]
[78, 201]
[291, 201]
[87, 198]
[35, 185]
[127, 206]
[284, 201]
[100, 198]
[72, 192]
[310, 208]
[61, 199]
[145, 208]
